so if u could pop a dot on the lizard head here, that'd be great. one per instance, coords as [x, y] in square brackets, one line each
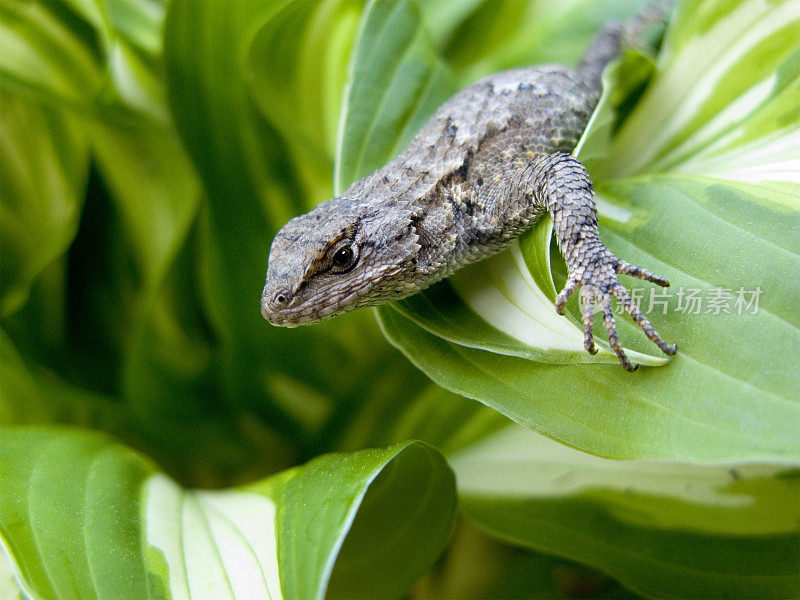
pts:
[342, 255]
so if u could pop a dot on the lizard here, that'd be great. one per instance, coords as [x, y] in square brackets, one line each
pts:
[489, 163]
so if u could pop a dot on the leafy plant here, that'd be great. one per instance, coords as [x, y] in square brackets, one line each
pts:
[149, 151]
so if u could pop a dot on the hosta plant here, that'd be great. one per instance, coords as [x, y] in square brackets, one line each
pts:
[159, 440]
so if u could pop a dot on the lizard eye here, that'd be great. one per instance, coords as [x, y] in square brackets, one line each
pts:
[344, 259]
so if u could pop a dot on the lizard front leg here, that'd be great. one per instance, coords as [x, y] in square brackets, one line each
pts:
[561, 185]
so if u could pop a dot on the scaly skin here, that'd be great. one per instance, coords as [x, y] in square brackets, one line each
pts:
[482, 170]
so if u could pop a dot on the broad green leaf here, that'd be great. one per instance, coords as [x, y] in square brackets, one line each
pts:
[44, 163]
[396, 81]
[722, 234]
[667, 529]
[591, 407]
[68, 499]
[405, 520]
[84, 517]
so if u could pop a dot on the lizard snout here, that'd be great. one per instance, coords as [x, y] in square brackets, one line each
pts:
[272, 303]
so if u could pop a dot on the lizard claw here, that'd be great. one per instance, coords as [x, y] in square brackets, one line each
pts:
[597, 289]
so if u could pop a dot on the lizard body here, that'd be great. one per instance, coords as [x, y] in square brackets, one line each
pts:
[489, 163]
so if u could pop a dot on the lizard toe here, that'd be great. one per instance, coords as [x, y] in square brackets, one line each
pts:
[622, 296]
[561, 299]
[626, 268]
[587, 317]
[613, 340]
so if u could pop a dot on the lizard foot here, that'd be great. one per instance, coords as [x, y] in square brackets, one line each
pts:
[598, 286]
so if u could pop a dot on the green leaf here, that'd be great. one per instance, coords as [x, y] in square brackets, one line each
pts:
[297, 65]
[42, 55]
[219, 124]
[44, 164]
[480, 37]
[719, 231]
[396, 81]
[726, 111]
[31, 395]
[158, 209]
[71, 510]
[412, 493]
[591, 407]
[84, 517]
[506, 571]
[139, 21]
[667, 529]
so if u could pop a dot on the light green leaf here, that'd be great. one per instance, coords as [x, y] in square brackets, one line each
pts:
[44, 164]
[719, 232]
[84, 517]
[667, 529]
[403, 523]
